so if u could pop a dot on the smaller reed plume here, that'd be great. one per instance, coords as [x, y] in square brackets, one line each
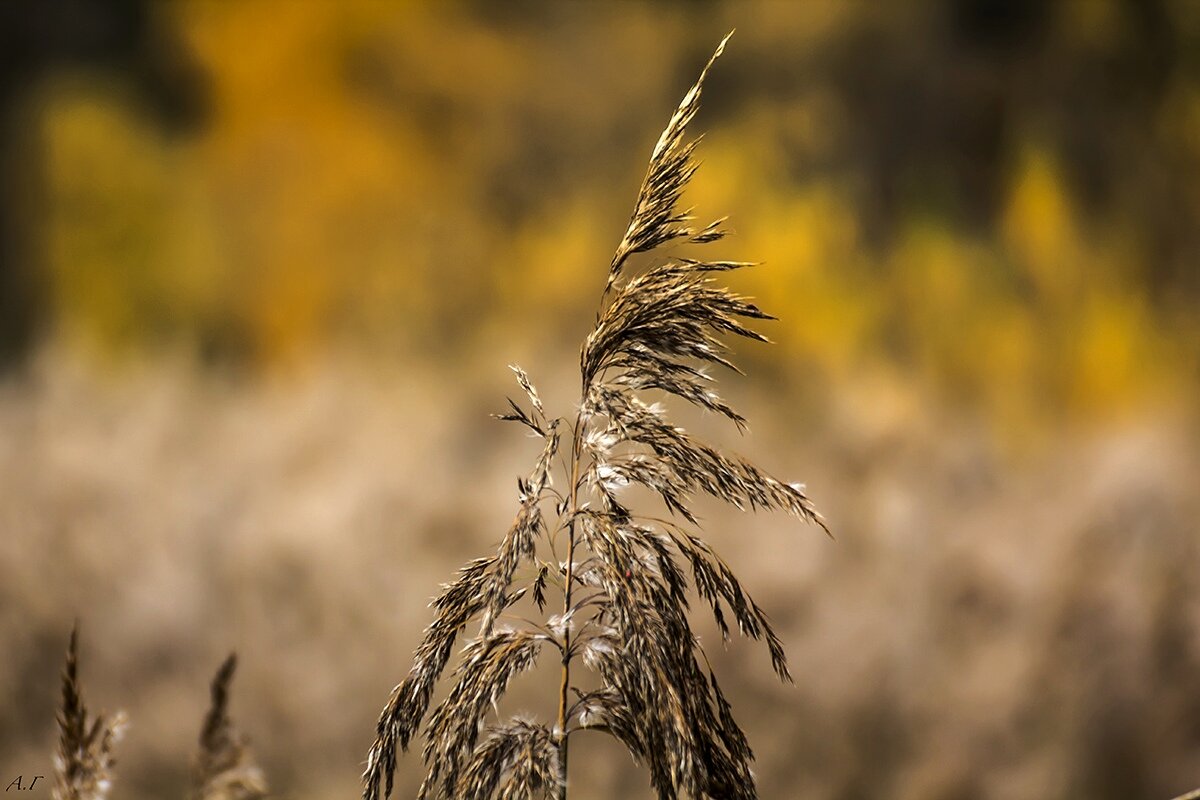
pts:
[84, 761]
[224, 768]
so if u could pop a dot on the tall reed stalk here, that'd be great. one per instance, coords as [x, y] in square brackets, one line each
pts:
[622, 575]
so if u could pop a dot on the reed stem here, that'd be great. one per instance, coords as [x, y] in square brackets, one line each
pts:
[565, 683]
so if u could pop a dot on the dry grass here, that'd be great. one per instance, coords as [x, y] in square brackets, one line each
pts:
[224, 768]
[621, 574]
[986, 626]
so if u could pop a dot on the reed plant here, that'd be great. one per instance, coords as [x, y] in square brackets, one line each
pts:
[612, 584]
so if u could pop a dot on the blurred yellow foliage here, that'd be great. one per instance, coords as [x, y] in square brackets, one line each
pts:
[419, 176]
[109, 235]
[1039, 231]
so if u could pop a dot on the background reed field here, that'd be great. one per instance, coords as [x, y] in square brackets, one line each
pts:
[262, 266]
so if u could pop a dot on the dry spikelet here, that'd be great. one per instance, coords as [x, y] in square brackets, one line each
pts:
[518, 759]
[623, 576]
[656, 220]
[84, 761]
[224, 767]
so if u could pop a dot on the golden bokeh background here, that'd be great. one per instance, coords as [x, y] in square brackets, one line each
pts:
[262, 265]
